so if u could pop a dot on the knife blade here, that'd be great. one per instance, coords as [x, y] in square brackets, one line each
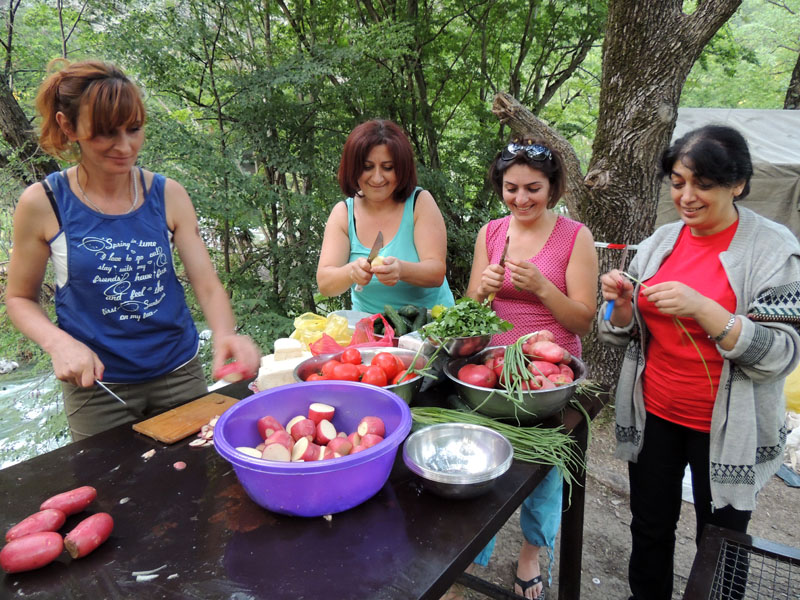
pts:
[373, 253]
[623, 259]
[502, 263]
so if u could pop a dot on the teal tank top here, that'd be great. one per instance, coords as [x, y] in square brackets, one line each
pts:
[375, 295]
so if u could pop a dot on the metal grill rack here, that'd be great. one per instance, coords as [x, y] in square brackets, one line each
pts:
[732, 566]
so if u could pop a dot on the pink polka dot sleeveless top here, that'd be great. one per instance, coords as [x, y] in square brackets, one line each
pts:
[522, 308]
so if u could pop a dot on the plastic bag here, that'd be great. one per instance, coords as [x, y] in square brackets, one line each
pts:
[310, 327]
[364, 336]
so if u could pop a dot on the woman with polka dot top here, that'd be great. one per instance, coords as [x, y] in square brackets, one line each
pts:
[548, 281]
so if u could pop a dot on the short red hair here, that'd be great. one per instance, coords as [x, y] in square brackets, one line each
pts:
[111, 100]
[358, 146]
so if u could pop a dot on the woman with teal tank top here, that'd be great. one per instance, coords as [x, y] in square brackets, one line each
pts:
[378, 175]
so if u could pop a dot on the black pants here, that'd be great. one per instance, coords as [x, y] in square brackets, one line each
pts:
[656, 485]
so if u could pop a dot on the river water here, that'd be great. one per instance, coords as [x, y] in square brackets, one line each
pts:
[32, 419]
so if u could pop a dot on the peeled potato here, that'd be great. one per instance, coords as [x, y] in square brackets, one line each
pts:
[377, 261]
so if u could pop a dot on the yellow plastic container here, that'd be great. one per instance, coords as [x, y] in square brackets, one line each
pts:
[791, 389]
[309, 327]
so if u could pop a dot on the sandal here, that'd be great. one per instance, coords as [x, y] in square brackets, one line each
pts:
[526, 585]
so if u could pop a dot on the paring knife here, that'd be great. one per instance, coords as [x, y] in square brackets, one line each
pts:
[135, 411]
[376, 247]
[610, 305]
[502, 263]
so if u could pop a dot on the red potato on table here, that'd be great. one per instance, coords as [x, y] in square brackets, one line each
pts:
[88, 535]
[49, 519]
[71, 502]
[373, 425]
[320, 412]
[31, 551]
[325, 432]
[267, 425]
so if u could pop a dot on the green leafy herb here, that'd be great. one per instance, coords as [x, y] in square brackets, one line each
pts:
[466, 318]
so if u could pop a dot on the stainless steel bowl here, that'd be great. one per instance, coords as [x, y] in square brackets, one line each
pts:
[405, 390]
[462, 347]
[457, 460]
[537, 404]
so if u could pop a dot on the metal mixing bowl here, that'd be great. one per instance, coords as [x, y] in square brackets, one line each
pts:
[405, 390]
[537, 404]
[457, 460]
[462, 347]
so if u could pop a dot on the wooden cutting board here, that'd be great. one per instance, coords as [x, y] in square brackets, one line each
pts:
[183, 421]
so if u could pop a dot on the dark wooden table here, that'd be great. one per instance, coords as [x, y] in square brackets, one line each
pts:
[214, 542]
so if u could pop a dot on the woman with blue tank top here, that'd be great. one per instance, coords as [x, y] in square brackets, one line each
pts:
[109, 228]
[378, 175]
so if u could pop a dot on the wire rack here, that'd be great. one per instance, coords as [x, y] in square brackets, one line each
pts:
[734, 566]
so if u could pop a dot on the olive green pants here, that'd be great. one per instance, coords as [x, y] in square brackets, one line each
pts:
[92, 410]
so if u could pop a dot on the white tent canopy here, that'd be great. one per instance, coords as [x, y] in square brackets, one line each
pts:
[774, 140]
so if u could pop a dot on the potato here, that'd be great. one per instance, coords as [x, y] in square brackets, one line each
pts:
[325, 432]
[31, 551]
[276, 451]
[267, 425]
[304, 428]
[319, 411]
[369, 440]
[49, 519]
[376, 262]
[71, 502]
[372, 425]
[88, 535]
[341, 445]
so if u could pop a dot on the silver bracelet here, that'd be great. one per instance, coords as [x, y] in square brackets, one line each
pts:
[726, 331]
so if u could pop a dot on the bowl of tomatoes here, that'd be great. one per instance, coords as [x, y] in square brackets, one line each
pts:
[382, 366]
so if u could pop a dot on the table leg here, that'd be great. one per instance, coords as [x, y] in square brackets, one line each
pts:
[569, 569]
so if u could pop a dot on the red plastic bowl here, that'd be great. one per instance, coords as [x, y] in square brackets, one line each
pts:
[313, 489]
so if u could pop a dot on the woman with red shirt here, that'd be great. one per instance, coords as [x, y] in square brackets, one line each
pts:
[706, 318]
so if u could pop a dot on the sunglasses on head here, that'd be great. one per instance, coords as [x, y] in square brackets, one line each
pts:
[533, 151]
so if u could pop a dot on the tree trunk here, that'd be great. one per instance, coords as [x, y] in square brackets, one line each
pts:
[648, 51]
[792, 101]
[18, 133]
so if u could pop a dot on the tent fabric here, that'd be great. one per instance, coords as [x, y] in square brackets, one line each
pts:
[774, 140]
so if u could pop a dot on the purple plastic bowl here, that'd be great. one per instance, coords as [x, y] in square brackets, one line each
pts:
[313, 489]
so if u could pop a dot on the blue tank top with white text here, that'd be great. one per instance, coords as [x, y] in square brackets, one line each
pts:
[120, 295]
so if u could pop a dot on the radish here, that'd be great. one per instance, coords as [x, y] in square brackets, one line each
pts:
[31, 551]
[319, 411]
[372, 425]
[341, 445]
[370, 439]
[233, 372]
[49, 519]
[325, 432]
[88, 535]
[276, 451]
[267, 425]
[71, 502]
[304, 428]
[282, 438]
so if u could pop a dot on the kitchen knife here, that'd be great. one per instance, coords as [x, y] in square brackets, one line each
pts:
[113, 395]
[610, 305]
[502, 263]
[376, 247]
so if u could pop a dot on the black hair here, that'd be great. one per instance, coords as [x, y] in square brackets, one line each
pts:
[551, 167]
[715, 153]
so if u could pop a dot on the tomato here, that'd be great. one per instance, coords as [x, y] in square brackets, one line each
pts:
[362, 368]
[345, 372]
[352, 356]
[387, 362]
[328, 367]
[479, 375]
[402, 376]
[374, 375]
[316, 377]
[401, 366]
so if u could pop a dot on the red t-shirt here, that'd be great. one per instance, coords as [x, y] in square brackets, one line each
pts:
[675, 383]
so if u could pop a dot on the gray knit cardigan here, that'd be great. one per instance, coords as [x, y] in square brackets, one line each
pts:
[748, 433]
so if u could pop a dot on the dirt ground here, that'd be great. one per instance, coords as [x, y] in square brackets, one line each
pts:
[606, 533]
